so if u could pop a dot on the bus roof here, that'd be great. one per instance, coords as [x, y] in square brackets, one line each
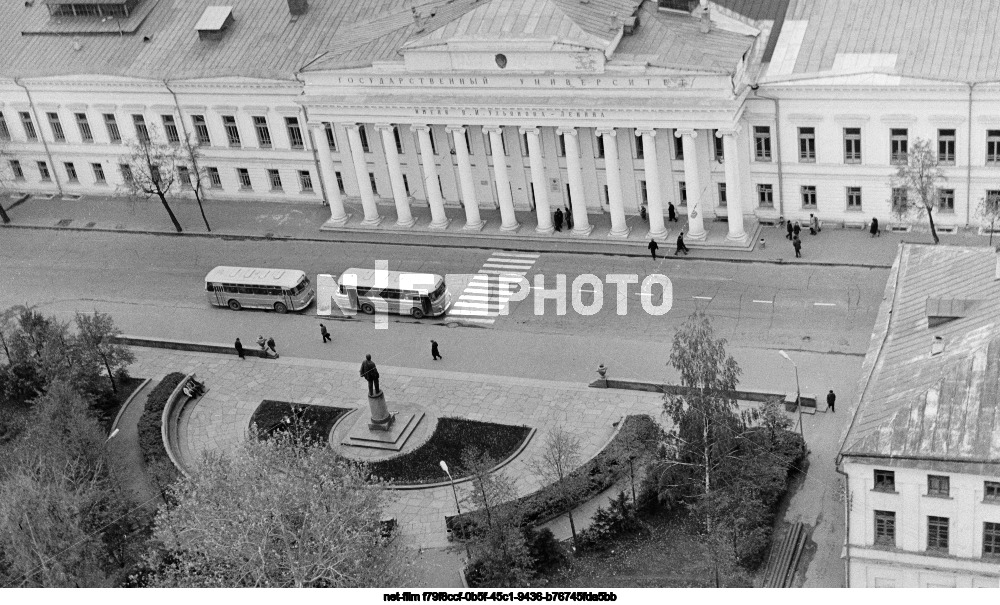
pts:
[285, 278]
[391, 279]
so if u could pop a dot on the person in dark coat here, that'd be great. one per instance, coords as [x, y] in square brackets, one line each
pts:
[831, 399]
[680, 245]
[270, 345]
[797, 244]
[653, 247]
[558, 219]
[796, 229]
[874, 228]
[789, 226]
[370, 373]
[324, 333]
[239, 348]
[435, 354]
[569, 219]
[671, 212]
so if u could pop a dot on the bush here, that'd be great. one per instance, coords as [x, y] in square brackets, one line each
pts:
[543, 548]
[619, 518]
[154, 453]
[271, 417]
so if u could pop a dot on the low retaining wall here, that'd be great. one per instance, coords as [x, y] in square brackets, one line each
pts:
[808, 400]
[183, 345]
[168, 424]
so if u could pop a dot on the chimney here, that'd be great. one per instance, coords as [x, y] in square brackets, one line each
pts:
[297, 7]
[706, 20]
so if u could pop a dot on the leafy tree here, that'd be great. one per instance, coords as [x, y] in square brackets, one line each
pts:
[95, 334]
[282, 512]
[561, 454]
[989, 211]
[920, 178]
[150, 169]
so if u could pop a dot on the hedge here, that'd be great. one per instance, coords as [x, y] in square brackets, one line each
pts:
[270, 417]
[154, 453]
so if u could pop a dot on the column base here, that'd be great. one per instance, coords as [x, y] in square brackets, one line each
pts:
[511, 228]
[621, 233]
[372, 222]
[337, 222]
[441, 226]
[739, 237]
[582, 231]
[406, 224]
[545, 230]
[474, 226]
[660, 235]
[698, 237]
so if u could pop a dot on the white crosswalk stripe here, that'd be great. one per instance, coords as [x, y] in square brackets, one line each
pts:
[487, 294]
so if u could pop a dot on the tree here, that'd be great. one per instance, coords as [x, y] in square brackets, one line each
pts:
[4, 141]
[96, 333]
[150, 169]
[989, 210]
[190, 150]
[281, 512]
[561, 454]
[919, 178]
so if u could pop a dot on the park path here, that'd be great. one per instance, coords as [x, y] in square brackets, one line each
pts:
[127, 464]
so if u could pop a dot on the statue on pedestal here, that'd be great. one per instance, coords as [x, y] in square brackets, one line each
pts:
[370, 373]
[381, 419]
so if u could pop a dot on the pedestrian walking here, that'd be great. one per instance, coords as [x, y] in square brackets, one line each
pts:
[558, 219]
[831, 400]
[680, 245]
[788, 226]
[797, 244]
[874, 228]
[813, 225]
[239, 348]
[796, 229]
[569, 219]
[324, 333]
[270, 345]
[653, 247]
[671, 212]
[435, 353]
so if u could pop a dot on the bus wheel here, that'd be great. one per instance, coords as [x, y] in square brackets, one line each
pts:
[280, 308]
[235, 304]
[417, 313]
[368, 309]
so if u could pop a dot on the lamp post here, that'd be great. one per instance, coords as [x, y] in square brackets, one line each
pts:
[444, 467]
[798, 393]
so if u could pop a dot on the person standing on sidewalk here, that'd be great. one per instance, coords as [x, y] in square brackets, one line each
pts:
[557, 219]
[788, 225]
[323, 332]
[797, 244]
[671, 212]
[435, 354]
[653, 247]
[569, 219]
[796, 229]
[831, 400]
[874, 228]
[813, 224]
[270, 345]
[239, 348]
[680, 245]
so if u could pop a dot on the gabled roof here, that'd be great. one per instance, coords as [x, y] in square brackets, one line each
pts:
[922, 401]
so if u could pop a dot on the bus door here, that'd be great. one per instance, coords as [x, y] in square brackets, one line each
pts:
[286, 297]
[425, 304]
[352, 297]
[220, 295]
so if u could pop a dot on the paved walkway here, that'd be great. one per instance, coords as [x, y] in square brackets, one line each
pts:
[126, 455]
[250, 219]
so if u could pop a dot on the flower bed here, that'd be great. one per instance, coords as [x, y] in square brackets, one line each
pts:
[271, 416]
[451, 437]
[639, 436]
[158, 463]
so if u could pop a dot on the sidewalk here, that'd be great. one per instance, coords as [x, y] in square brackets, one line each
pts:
[267, 220]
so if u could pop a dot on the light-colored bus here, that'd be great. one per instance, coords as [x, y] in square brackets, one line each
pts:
[282, 290]
[369, 290]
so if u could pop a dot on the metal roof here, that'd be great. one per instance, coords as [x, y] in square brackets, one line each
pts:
[213, 18]
[286, 278]
[922, 401]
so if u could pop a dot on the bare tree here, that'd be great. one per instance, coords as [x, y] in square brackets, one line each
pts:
[4, 159]
[190, 150]
[919, 178]
[150, 169]
[989, 211]
[96, 334]
[561, 454]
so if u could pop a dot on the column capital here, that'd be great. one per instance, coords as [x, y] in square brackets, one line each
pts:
[610, 131]
[451, 128]
[644, 131]
[355, 126]
[493, 129]
[419, 127]
[728, 132]
[570, 130]
[528, 130]
[685, 132]
[384, 126]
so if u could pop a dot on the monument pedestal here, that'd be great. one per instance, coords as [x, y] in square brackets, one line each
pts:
[385, 430]
[382, 420]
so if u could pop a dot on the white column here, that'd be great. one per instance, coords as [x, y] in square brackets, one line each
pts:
[581, 223]
[364, 183]
[696, 219]
[618, 226]
[538, 179]
[734, 190]
[404, 218]
[507, 217]
[439, 220]
[473, 221]
[652, 172]
[328, 176]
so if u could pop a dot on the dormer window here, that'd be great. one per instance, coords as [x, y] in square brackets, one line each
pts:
[91, 9]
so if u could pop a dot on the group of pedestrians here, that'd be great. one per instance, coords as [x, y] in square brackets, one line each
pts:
[681, 247]
[270, 352]
[560, 216]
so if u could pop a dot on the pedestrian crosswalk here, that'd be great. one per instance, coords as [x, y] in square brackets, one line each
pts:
[487, 295]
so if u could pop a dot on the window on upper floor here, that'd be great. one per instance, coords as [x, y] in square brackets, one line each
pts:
[762, 143]
[4, 131]
[599, 146]
[765, 195]
[373, 182]
[274, 177]
[111, 124]
[682, 188]
[398, 139]
[57, 130]
[898, 145]
[83, 125]
[807, 144]
[43, 171]
[809, 196]
[263, 132]
[885, 528]
[126, 172]
[184, 176]
[305, 181]
[99, 177]
[991, 491]
[214, 178]
[720, 148]
[295, 139]
[640, 151]
[938, 485]
[71, 174]
[331, 139]
[170, 128]
[946, 147]
[678, 146]
[885, 481]
[561, 141]
[722, 195]
[16, 170]
[243, 175]
[363, 133]
[854, 198]
[946, 200]
[434, 148]
[993, 146]
[340, 182]
[232, 130]
[937, 533]
[852, 145]
[899, 198]
[991, 539]
[141, 132]
[201, 130]
[29, 126]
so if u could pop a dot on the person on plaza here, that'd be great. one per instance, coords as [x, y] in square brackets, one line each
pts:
[642, 213]
[813, 225]
[874, 228]
[261, 342]
[831, 399]
[680, 245]
[187, 391]
[671, 212]
[197, 388]
[789, 226]
[653, 247]
[239, 348]
[557, 219]
[797, 244]
[324, 333]
[796, 229]
[569, 219]
[370, 373]
[435, 353]
[270, 345]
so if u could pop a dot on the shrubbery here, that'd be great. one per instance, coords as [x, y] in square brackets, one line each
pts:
[154, 453]
[272, 416]
[607, 523]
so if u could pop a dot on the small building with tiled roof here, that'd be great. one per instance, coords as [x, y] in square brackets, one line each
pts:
[922, 452]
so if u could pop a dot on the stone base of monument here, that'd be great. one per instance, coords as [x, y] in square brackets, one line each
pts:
[353, 438]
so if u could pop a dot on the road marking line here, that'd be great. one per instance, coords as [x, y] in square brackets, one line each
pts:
[494, 265]
[478, 312]
[512, 261]
[825, 304]
[766, 302]
[498, 272]
[517, 254]
[703, 297]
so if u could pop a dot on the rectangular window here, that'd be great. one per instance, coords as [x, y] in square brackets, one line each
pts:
[561, 140]
[294, 133]
[126, 172]
[331, 139]
[4, 131]
[992, 200]
[852, 145]
[263, 132]
[640, 152]
[899, 199]
[720, 153]
[991, 491]
[807, 144]
[946, 200]
[678, 147]
[57, 130]
[201, 130]
[468, 143]
[599, 147]
[937, 533]
[274, 177]
[406, 185]
[305, 181]
[214, 178]
[399, 139]
[885, 528]
[244, 178]
[937, 485]
[371, 179]
[340, 182]
[885, 481]
[854, 198]
[29, 126]
[184, 176]
[16, 170]
[762, 143]
[363, 133]
[170, 129]
[84, 127]
[232, 130]
[43, 171]
[434, 147]
[946, 147]
[722, 195]
[991, 539]
[141, 132]
[993, 146]
[765, 196]
[683, 193]
[111, 123]
[898, 145]
[71, 174]
[643, 193]
[809, 196]
[99, 177]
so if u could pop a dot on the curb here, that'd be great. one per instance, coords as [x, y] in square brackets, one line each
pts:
[168, 432]
[121, 411]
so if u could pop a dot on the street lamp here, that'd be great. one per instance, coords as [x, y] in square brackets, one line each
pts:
[444, 467]
[798, 393]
